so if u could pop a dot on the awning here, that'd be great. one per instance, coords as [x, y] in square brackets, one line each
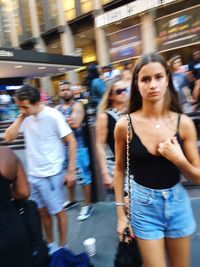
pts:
[32, 64]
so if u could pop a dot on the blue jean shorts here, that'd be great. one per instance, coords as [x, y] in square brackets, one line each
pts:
[48, 192]
[83, 173]
[159, 213]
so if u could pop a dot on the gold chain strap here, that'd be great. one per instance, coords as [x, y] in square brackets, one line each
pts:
[128, 168]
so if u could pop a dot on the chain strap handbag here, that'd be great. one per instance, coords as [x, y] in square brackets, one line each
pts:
[128, 254]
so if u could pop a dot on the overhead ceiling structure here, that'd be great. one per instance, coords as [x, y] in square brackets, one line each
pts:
[31, 64]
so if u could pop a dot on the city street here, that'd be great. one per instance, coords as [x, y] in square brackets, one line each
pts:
[102, 226]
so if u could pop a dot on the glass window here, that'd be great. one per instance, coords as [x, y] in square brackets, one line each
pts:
[69, 9]
[26, 17]
[86, 6]
[5, 27]
[40, 14]
[53, 13]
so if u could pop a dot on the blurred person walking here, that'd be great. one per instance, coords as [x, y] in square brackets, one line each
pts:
[179, 79]
[96, 85]
[110, 109]
[74, 114]
[45, 132]
[13, 184]
[163, 144]
[194, 69]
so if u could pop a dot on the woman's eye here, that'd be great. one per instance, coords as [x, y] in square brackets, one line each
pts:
[145, 79]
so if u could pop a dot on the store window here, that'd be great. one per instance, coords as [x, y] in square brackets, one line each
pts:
[69, 9]
[86, 6]
[54, 46]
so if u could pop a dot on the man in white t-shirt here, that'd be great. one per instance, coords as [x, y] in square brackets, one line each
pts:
[45, 132]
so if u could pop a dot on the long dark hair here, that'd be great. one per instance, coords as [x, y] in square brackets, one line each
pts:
[171, 96]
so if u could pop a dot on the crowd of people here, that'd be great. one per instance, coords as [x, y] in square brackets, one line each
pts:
[163, 144]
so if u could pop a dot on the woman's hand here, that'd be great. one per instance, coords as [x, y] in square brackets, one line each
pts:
[108, 181]
[122, 224]
[171, 150]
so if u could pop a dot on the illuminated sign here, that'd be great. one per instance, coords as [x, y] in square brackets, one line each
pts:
[6, 53]
[128, 10]
[179, 29]
[125, 43]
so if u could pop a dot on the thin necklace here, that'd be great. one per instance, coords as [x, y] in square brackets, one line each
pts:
[157, 126]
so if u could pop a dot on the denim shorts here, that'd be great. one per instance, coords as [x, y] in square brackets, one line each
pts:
[159, 213]
[48, 192]
[83, 173]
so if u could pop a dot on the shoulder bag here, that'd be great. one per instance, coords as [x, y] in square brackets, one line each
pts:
[128, 254]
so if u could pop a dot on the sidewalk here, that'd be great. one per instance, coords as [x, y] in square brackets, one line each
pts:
[102, 226]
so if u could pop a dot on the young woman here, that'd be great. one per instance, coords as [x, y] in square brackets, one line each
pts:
[111, 108]
[162, 146]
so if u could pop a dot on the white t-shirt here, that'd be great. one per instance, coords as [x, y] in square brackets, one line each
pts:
[45, 149]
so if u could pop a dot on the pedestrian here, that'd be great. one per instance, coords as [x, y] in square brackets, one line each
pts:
[163, 144]
[45, 132]
[74, 113]
[179, 79]
[13, 184]
[111, 108]
[194, 70]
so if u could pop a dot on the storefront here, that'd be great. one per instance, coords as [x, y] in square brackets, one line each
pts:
[18, 66]
[150, 26]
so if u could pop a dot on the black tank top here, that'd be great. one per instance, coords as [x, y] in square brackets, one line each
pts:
[110, 137]
[152, 171]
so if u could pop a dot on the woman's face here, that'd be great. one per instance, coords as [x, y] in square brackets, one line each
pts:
[152, 81]
[119, 92]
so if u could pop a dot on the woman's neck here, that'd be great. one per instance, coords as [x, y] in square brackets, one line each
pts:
[119, 107]
[155, 110]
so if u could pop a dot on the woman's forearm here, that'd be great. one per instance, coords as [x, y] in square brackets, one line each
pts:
[190, 171]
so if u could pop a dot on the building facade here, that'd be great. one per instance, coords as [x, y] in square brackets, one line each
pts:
[101, 31]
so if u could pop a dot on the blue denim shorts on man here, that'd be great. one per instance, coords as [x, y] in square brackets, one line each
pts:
[48, 192]
[83, 173]
[156, 214]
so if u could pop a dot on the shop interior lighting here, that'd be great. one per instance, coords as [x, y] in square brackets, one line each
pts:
[41, 68]
[61, 69]
[18, 66]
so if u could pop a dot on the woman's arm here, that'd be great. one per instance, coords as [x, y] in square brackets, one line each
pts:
[188, 159]
[119, 174]
[20, 187]
[101, 136]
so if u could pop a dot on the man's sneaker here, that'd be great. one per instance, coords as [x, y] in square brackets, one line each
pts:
[52, 247]
[86, 212]
[69, 204]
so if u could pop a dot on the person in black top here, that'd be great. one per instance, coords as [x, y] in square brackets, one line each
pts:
[13, 184]
[110, 109]
[163, 144]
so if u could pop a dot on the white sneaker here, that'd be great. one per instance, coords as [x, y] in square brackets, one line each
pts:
[52, 247]
[86, 212]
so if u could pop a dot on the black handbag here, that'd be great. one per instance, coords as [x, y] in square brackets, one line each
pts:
[128, 254]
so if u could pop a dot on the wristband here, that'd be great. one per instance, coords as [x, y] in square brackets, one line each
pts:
[120, 204]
